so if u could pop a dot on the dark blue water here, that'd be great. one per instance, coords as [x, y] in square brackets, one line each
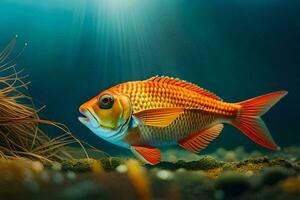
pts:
[237, 49]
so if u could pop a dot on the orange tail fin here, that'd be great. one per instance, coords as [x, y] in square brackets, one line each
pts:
[249, 122]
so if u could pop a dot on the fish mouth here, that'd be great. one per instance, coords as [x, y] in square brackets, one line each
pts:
[83, 118]
[88, 118]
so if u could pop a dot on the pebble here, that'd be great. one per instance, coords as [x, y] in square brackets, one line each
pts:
[37, 166]
[164, 174]
[71, 175]
[56, 166]
[249, 173]
[180, 170]
[122, 168]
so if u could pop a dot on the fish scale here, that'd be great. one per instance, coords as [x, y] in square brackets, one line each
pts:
[201, 111]
[172, 96]
[182, 127]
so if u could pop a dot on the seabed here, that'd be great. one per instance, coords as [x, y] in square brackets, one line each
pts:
[222, 175]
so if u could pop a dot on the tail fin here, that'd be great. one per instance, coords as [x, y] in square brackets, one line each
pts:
[249, 122]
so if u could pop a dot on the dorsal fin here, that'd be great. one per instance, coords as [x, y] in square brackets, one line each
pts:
[184, 84]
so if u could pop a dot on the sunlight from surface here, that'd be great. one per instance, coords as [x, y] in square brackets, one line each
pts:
[119, 4]
[135, 32]
[122, 39]
[124, 28]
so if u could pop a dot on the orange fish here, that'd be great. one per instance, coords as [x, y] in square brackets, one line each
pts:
[143, 115]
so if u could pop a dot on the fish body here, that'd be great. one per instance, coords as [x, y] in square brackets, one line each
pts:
[143, 115]
[199, 110]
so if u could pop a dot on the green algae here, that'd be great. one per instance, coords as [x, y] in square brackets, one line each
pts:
[77, 165]
[110, 163]
[204, 163]
[84, 165]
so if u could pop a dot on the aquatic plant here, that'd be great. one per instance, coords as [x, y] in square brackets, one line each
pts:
[20, 132]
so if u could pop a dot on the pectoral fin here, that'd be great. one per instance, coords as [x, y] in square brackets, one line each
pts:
[159, 117]
[199, 140]
[147, 154]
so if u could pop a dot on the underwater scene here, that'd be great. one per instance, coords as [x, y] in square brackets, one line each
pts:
[149, 99]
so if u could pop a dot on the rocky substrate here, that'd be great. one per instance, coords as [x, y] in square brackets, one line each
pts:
[276, 176]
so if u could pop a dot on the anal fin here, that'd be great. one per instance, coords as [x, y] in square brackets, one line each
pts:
[146, 153]
[200, 139]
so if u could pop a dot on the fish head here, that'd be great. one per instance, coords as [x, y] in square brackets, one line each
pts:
[107, 114]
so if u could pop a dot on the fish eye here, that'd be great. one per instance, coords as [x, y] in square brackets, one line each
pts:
[106, 101]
